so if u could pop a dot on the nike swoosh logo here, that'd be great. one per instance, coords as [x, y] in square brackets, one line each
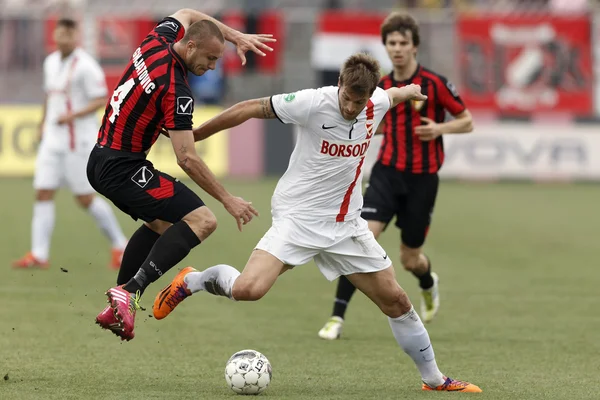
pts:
[328, 127]
[385, 257]
[183, 108]
[421, 350]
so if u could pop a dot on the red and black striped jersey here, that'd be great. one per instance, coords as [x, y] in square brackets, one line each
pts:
[153, 93]
[401, 148]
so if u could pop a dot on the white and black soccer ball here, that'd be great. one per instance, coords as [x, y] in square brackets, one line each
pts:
[248, 372]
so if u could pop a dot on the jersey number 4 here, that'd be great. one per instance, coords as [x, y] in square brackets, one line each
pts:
[118, 96]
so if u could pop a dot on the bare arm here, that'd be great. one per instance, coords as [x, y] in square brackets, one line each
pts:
[41, 125]
[93, 106]
[429, 129]
[44, 109]
[192, 164]
[188, 16]
[380, 128]
[234, 116]
[408, 92]
[462, 123]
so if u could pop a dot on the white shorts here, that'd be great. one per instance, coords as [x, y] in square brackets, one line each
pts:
[53, 168]
[338, 248]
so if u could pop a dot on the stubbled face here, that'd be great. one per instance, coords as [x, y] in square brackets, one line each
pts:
[351, 104]
[201, 58]
[400, 48]
[65, 39]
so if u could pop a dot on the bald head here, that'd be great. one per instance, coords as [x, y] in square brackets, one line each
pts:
[202, 30]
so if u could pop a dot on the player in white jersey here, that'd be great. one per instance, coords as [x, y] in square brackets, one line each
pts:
[316, 208]
[75, 89]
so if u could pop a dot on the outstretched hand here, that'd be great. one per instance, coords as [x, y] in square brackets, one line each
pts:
[253, 42]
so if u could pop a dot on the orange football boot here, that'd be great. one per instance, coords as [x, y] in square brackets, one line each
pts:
[29, 261]
[116, 256]
[168, 298]
[452, 385]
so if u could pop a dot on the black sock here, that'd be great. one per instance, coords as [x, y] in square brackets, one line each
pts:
[136, 252]
[169, 249]
[344, 293]
[425, 280]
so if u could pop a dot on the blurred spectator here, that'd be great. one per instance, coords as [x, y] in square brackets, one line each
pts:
[208, 88]
[569, 5]
[435, 3]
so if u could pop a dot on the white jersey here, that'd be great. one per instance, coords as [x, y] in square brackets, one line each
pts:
[323, 179]
[70, 84]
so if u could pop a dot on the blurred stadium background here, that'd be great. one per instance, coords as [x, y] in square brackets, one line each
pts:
[527, 69]
[517, 257]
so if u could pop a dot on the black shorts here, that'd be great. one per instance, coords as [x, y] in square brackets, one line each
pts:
[133, 184]
[409, 197]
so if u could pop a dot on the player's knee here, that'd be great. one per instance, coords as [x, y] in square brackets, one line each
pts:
[210, 224]
[202, 221]
[44, 195]
[396, 304]
[85, 201]
[204, 227]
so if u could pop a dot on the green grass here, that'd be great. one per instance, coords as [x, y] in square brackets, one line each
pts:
[519, 317]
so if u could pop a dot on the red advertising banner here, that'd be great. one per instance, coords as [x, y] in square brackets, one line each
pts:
[271, 22]
[116, 40]
[231, 61]
[520, 64]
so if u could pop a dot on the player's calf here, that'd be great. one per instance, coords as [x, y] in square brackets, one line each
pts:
[413, 260]
[257, 278]
[173, 246]
[170, 248]
[249, 290]
[420, 265]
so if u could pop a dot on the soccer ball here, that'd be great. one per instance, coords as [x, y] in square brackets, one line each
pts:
[248, 372]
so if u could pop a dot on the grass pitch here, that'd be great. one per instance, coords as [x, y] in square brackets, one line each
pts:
[519, 315]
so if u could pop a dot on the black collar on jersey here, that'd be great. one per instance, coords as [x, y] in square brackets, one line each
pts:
[406, 81]
[178, 58]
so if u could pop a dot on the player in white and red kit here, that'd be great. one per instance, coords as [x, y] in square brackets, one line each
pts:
[75, 89]
[316, 208]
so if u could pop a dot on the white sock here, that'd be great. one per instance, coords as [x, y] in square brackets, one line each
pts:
[411, 335]
[217, 280]
[42, 226]
[107, 222]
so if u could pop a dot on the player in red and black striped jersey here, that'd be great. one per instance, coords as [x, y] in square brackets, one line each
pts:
[153, 97]
[404, 180]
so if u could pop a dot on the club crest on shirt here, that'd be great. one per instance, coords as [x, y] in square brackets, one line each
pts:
[417, 104]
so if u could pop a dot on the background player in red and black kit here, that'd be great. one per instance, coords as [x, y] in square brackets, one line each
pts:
[404, 180]
[153, 97]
